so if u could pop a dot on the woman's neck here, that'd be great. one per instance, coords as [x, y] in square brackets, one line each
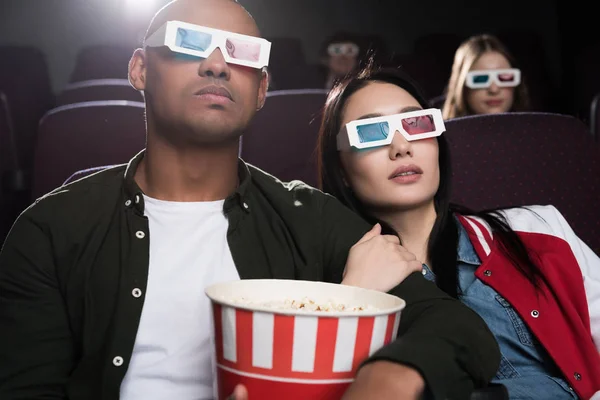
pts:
[414, 227]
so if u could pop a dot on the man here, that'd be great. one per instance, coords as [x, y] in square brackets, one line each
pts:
[101, 281]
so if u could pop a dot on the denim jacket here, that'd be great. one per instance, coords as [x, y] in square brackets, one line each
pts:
[526, 369]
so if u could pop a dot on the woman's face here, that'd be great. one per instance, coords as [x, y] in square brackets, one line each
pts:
[494, 99]
[402, 175]
[342, 58]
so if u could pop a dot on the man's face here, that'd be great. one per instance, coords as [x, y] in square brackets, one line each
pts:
[206, 99]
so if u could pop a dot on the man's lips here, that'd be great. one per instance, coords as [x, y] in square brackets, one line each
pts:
[214, 91]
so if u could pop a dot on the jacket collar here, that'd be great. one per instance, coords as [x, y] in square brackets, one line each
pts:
[466, 252]
[479, 234]
[134, 195]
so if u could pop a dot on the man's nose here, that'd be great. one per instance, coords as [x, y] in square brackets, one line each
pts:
[215, 66]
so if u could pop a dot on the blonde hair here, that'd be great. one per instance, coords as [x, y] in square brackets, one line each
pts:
[466, 55]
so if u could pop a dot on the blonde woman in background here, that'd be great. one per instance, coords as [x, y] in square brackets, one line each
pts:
[485, 80]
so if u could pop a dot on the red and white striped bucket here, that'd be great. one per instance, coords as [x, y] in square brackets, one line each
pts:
[293, 354]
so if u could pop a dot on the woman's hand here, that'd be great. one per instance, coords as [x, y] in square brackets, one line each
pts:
[379, 262]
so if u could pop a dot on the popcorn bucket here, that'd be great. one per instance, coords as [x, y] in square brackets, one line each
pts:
[286, 339]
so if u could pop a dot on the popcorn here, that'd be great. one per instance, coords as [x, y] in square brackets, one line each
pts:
[304, 304]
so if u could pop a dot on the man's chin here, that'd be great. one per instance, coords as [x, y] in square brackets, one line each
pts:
[211, 133]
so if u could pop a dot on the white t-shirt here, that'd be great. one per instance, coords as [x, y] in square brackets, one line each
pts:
[173, 356]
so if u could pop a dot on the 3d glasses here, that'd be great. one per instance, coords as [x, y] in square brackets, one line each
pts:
[200, 41]
[373, 132]
[342, 49]
[482, 79]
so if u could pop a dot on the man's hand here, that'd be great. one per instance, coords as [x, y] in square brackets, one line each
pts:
[384, 380]
[379, 262]
[380, 380]
[239, 393]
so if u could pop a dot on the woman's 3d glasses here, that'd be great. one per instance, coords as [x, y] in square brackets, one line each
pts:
[373, 132]
[200, 41]
[482, 79]
[342, 49]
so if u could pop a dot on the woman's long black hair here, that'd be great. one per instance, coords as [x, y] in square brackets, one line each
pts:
[443, 240]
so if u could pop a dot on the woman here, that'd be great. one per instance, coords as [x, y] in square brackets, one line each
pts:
[484, 80]
[521, 269]
[339, 57]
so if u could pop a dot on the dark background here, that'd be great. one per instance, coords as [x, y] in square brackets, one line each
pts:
[556, 30]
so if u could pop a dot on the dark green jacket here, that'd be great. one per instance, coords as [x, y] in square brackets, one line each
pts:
[72, 260]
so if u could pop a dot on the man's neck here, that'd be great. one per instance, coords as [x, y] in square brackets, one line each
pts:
[198, 173]
[414, 227]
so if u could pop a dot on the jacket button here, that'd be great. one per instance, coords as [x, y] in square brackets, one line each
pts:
[140, 234]
[136, 293]
[246, 206]
[577, 376]
[118, 361]
[535, 313]
[487, 272]
[128, 203]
